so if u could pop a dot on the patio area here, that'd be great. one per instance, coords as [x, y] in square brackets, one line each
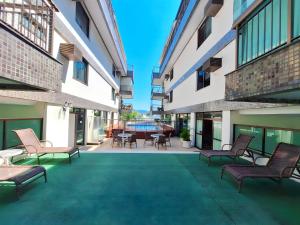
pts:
[106, 146]
[146, 189]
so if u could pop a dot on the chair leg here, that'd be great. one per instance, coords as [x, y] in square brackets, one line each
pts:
[240, 184]
[222, 173]
[70, 160]
[45, 176]
[38, 159]
[209, 161]
[78, 152]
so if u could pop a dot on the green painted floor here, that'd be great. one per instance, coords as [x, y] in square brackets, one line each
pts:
[147, 189]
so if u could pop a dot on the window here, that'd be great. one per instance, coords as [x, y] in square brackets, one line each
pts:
[171, 96]
[113, 94]
[296, 18]
[81, 71]
[82, 19]
[204, 31]
[265, 138]
[171, 74]
[114, 70]
[265, 30]
[203, 79]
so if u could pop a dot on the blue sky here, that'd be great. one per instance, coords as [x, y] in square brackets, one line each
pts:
[144, 26]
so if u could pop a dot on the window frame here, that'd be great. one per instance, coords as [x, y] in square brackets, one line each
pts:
[204, 31]
[171, 74]
[203, 79]
[262, 50]
[113, 94]
[171, 97]
[79, 7]
[86, 74]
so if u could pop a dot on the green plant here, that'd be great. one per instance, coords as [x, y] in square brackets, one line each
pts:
[185, 134]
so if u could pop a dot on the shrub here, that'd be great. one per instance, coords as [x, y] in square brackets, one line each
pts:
[185, 134]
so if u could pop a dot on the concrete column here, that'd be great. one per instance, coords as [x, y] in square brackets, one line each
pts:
[193, 128]
[56, 125]
[227, 127]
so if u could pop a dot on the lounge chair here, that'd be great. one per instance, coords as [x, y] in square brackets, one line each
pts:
[21, 175]
[33, 145]
[281, 165]
[238, 149]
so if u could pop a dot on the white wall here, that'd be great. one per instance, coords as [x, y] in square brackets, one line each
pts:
[97, 89]
[186, 94]
[93, 46]
[56, 125]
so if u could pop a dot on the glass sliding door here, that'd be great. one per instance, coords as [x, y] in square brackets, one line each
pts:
[217, 134]
[208, 130]
[275, 136]
[199, 129]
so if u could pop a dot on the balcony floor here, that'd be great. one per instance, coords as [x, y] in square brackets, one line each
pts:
[147, 189]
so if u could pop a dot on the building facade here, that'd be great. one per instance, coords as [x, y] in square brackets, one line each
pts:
[63, 70]
[231, 67]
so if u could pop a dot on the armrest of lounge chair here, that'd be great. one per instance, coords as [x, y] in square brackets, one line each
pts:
[25, 146]
[288, 168]
[226, 145]
[47, 141]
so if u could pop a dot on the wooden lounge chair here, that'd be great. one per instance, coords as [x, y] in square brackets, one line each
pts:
[33, 145]
[21, 175]
[238, 149]
[281, 165]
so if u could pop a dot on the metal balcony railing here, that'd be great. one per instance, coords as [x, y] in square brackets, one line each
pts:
[31, 19]
[116, 29]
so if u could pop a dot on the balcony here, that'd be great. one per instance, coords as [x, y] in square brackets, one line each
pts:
[126, 108]
[26, 44]
[156, 77]
[272, 78]
[126, 85]
[157, 109]
[157, 93]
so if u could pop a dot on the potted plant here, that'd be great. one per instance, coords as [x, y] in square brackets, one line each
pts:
[186, 138]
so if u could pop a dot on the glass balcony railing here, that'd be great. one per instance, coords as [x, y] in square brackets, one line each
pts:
[240, 6]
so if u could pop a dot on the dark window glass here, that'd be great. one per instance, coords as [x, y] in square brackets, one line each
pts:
[171, 74]
[82, 19]
[204, 31]
[203, 79]
[113, 94]
[81, 71]
[171, 96]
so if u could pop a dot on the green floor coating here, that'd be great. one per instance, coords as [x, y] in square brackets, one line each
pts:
[147, 189]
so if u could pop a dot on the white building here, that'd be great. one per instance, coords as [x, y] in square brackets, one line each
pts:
[202, 85]
[66, 71]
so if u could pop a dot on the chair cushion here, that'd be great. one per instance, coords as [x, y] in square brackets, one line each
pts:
[242, 171]
[19, 174]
